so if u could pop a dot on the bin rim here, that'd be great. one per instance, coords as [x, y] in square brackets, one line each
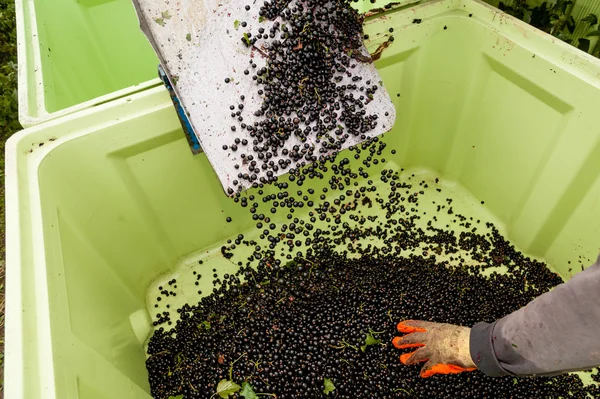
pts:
[25, 241]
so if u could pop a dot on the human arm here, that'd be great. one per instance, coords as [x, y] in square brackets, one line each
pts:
[553, 334]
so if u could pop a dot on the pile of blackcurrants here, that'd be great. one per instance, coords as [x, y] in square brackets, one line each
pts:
[335, 265]
[309, 87]
[321, 325]
[312, 311]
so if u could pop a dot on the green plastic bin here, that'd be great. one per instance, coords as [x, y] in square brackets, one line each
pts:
[105, 204]
[75, 54]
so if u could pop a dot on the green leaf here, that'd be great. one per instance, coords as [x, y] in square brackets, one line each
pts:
[591, 19]
[205, 324]
[261, 19]
[246, 38]
[160, 21]
[236, 24]
[565, 38]
[247, 391]
[188, 37]
[593, 33]
[226, 388]
[329, 387]
[514, 346]
[370, 340]
[176, 397]
[166, 15]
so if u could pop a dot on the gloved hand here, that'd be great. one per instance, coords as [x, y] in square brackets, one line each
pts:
[444, 347]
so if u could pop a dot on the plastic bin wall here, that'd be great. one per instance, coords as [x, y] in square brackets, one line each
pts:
[101, 203]
[77, 54]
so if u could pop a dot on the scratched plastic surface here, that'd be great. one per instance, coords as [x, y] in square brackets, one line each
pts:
[104, 205]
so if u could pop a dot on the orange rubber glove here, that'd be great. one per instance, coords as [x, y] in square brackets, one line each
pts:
[444, 347]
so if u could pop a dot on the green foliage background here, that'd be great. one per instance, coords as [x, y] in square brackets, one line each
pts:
[8, 70]
[9, 124]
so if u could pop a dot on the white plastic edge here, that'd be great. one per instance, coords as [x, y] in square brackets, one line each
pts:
[16, 189]
[15, 308]
[13, 353]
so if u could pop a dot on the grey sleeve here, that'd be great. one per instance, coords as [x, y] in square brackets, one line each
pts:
[555, 333]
